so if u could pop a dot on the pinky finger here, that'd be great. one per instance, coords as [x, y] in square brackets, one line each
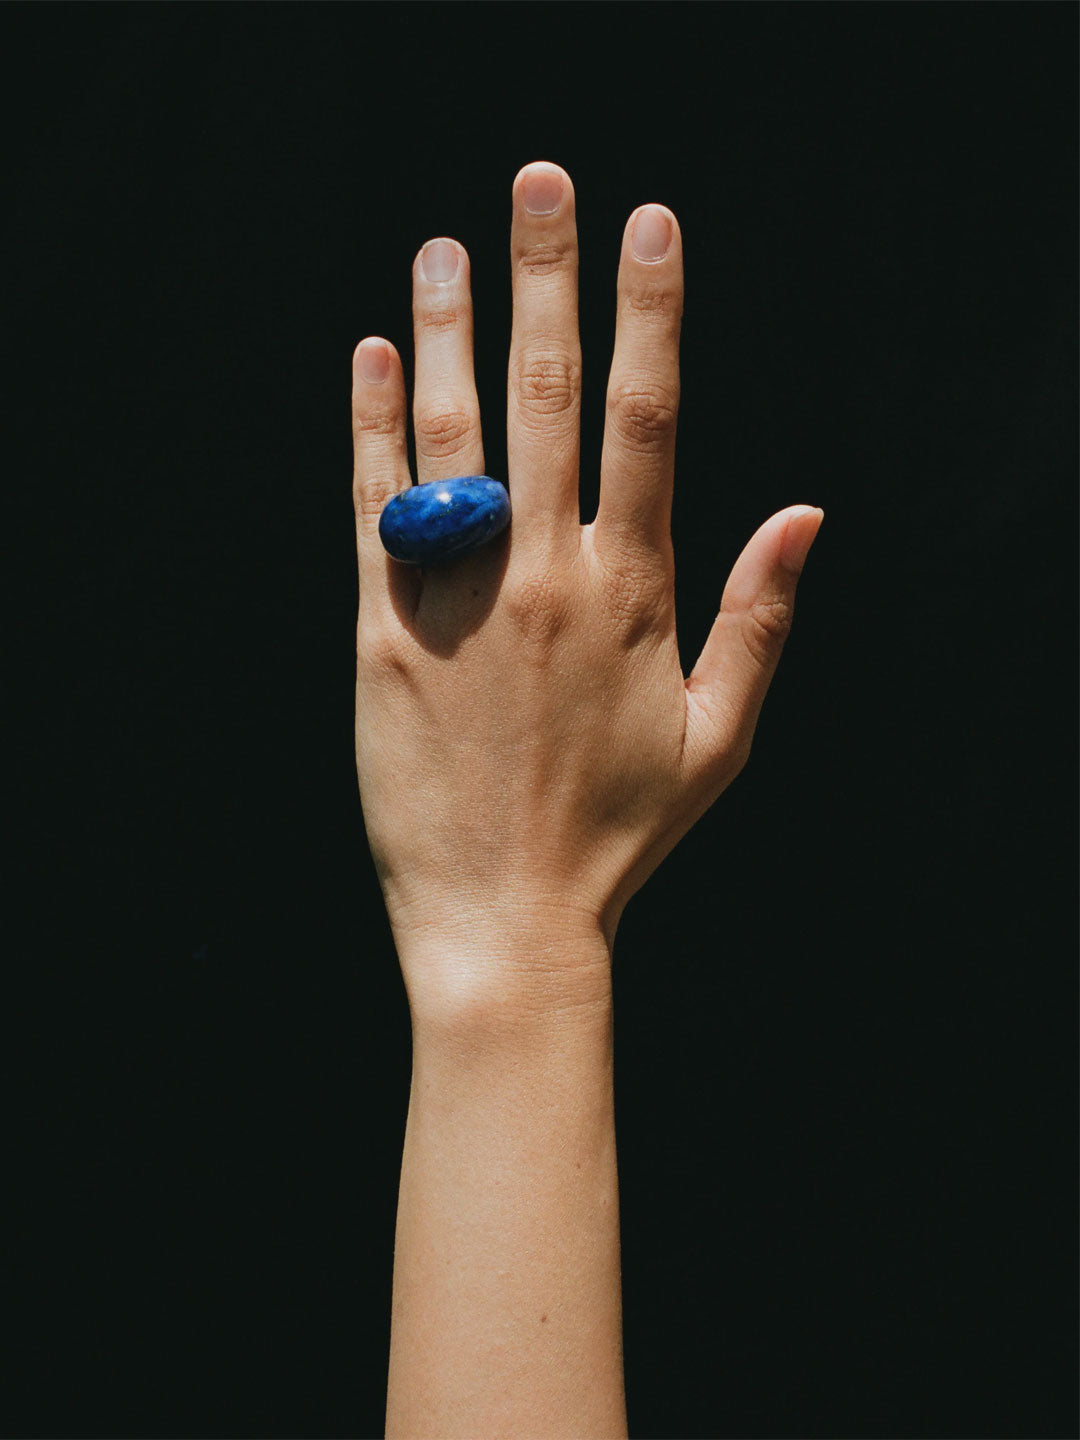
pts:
[380, 457]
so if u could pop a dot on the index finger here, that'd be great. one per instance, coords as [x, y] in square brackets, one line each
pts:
[637, 466]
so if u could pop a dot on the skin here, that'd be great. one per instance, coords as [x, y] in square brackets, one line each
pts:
[528, 751]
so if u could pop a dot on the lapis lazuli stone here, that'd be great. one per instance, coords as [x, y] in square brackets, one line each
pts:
[435, 522]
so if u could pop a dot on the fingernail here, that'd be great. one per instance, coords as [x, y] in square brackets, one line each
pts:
[439, 261]
[798, 537]
[374, 361]
[543, 191]
[652, 234]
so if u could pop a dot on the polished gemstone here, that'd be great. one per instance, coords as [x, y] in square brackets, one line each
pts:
[435, 522]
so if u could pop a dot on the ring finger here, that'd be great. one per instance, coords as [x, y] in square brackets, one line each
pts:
[446, 412]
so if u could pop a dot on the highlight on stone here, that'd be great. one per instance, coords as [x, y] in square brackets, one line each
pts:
[435, 522]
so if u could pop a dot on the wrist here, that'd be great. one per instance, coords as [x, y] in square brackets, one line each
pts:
[526, 972]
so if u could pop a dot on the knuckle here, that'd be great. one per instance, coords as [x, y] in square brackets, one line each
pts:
[766, 625]
[642, 414]
[653, 301]
[537, 607]
[636, 597]
[438, 319]
[444, 431]
[382, 652]
[546, 258]
[547, 383]
[372, 493]
[725, 737]
[377, 421]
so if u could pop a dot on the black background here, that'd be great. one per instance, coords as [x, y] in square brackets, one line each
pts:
[846, 1004]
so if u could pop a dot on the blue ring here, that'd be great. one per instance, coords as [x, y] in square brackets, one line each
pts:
[435, 522]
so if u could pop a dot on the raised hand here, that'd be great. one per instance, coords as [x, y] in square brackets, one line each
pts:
[528, 748]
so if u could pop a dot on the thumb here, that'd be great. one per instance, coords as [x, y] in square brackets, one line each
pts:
[728, 685]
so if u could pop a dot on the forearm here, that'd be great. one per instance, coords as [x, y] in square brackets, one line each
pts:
[507, 1307]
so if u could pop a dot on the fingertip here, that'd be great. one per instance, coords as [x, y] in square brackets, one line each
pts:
[542, 188]
[440, 259]
[538, 165]
[373, 360]
[800, 532]
[651, 236]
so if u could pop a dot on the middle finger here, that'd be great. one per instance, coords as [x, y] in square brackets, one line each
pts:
[544, 383]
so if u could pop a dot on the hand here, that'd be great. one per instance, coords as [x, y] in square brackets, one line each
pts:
[528, 749]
